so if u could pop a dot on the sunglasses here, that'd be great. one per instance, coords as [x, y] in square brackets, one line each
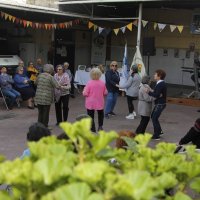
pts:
[114, 65]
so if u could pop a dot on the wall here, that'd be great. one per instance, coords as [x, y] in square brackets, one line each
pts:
[82, 48]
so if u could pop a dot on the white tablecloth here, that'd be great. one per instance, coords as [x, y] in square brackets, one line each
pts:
[82, 77]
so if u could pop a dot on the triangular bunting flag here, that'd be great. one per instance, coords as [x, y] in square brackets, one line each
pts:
[37, 25]
[95, 27]
[28, 23]
[135, 22]
[144, 23]
[100, 30]
[172, 27]
[40, 25]
[129, 26]
[66, 24]
[2, 14]
[55, 26]
[24, 23]
[13, 19]
[155, 25]
[116, 31]
[70, 23]
[180, 28]
[21, 21]
[31, 24]
[161, 26]
[123, 29]
[10, 17]
[17, 21]
[6, 16]
[90, 25]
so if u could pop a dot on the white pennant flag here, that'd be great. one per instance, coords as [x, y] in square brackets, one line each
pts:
[123, 29]
[137, 60]
[172, 28]
[161, 26]
[144, 23]
[100, 30]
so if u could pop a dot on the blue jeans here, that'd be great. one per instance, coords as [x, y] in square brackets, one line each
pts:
[12, 94]
[110, 102]
[158, 108]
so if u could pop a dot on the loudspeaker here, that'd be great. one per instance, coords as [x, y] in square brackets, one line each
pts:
[149, 46]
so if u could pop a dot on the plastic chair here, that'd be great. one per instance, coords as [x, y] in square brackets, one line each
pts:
[4, 98]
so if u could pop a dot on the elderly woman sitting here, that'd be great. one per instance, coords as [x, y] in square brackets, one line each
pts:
[21, 82]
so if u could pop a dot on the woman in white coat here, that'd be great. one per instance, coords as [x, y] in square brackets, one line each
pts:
[144, 105]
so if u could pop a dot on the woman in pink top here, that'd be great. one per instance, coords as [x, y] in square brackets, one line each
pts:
[94, 91]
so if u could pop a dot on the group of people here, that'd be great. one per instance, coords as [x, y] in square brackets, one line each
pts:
[136, 88]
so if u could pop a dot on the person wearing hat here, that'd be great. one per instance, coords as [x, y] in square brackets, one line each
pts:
[144, 105]
[132, 90]
[193, 135]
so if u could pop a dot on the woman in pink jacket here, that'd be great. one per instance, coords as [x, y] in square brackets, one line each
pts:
[94, 91]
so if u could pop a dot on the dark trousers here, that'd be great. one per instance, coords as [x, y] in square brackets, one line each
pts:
[130, 103]
[72, 86]
[62, 108]
[143, 124]
[100, 118]
[43, 114]
[157, 110]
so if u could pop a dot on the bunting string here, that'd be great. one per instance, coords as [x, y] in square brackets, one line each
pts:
[156, 25]
[38, 25]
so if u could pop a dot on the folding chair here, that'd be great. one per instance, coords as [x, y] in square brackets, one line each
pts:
[4, 98]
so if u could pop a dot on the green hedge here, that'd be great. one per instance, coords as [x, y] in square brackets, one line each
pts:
[54, 171]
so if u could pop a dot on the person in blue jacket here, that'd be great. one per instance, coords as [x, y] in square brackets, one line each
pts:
[112, 81]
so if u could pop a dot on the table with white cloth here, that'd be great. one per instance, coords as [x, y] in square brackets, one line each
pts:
[82, 77]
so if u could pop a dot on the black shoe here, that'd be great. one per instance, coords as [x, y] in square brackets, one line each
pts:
[30, 107]
[155, 137]
[72, 96]
[161, 133]
[100, 128]
[112, 113]
[106, 116]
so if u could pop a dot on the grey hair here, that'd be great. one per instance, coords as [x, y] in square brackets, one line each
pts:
[146, 79]
[48, 68]
[18, 69]
[66, 63]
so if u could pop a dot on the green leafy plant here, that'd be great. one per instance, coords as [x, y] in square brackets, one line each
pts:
[78, 169]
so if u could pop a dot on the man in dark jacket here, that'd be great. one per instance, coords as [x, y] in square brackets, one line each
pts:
[160, 93]
[112, 80]
[193, 135]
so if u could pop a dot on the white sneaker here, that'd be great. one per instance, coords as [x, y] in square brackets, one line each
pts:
[130, 116]
[134, 113]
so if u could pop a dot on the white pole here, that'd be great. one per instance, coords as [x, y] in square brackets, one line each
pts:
[139, 25]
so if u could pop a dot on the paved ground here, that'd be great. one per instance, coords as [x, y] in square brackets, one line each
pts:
[175, 121]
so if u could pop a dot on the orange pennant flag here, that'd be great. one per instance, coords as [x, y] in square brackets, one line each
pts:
[180, 28]
[90, 25]
[24, 23]
[130, 26]
[31, 24]
[116, 31]
[2, 14]
[46, 26]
